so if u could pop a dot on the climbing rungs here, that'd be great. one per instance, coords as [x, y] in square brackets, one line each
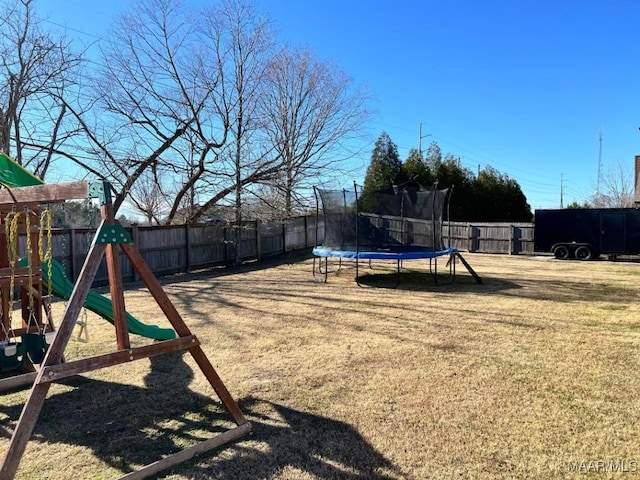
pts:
[54, 373]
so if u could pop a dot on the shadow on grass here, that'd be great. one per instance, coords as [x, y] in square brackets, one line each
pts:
[415, 280]
[296, 256]
[128, 426]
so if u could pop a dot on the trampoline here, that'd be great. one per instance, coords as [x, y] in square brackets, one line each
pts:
[394, 224]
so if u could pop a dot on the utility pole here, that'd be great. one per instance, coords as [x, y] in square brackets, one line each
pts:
[561, 191]
[599, 165]
[420, 137]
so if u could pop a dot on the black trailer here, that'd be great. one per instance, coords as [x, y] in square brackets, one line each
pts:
[587, 233]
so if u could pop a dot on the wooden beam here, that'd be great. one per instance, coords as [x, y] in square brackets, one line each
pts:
[53, 373]
[188, 453]
[115, 288]
[154, 287]
[17, 381]
[51, 193]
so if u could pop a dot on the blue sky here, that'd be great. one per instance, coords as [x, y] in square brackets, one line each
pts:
[523, 86]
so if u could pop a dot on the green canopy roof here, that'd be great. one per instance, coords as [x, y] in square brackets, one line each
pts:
[13, 174]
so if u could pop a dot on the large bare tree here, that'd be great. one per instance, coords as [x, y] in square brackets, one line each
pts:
[243, 42]
[197, 102]
[36, 69]
[153, 100]
[312, 111]
[176, 95]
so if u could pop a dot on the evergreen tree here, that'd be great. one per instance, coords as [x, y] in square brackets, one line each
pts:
[416, 169]
[450, 173]
[384, 170]
[489, 197]
[498, 199]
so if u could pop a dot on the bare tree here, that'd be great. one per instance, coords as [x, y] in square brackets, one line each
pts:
[616, 187]
[243, 41]
[194, 101]
[176, 95]
[148, 198]
[151, 100]
[36, 68]
[312, 112]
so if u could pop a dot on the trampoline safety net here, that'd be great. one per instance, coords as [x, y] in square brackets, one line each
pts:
[399, 218]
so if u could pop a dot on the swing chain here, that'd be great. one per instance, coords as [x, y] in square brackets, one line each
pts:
[46, 256]
[32, 312]
[11, 231]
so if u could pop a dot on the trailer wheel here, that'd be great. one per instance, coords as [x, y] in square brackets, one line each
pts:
[561, 252]
[584, 252]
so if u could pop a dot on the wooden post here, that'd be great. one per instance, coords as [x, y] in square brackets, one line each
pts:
[154, 287]
[187, 243]
[512, 239]
[135, 236]
[258, 241]
[226, 245]
[284, 237]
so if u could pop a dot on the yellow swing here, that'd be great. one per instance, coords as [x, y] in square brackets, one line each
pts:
[11, 351]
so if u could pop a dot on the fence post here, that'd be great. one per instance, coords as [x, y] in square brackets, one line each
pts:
[226, 244]
[187, 244]
[512, 239]
[469, 239]
[135, 237]
[258, 241]
[284, 237]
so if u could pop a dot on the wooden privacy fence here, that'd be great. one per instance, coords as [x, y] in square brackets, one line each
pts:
[184, 248]
[511, 238]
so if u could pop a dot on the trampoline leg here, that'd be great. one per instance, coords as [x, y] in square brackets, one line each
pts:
[435, 271]
[319, 269]
[398, 267]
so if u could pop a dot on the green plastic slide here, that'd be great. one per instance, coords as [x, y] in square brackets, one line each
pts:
[13, 175]
[62, 287]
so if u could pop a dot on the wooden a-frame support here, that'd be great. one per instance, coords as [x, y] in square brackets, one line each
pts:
[54, 368]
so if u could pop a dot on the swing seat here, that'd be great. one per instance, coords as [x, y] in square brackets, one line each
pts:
[11, 356]
[35, 346]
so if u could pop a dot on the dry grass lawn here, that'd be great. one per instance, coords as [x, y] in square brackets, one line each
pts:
[515, 378]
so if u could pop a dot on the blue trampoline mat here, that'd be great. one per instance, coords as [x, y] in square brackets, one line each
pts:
[397, 253]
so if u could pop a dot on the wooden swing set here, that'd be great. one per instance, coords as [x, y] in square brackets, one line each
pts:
[37, 347]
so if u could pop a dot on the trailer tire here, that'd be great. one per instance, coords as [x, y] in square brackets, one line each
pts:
[561, 252]
[584, 252]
